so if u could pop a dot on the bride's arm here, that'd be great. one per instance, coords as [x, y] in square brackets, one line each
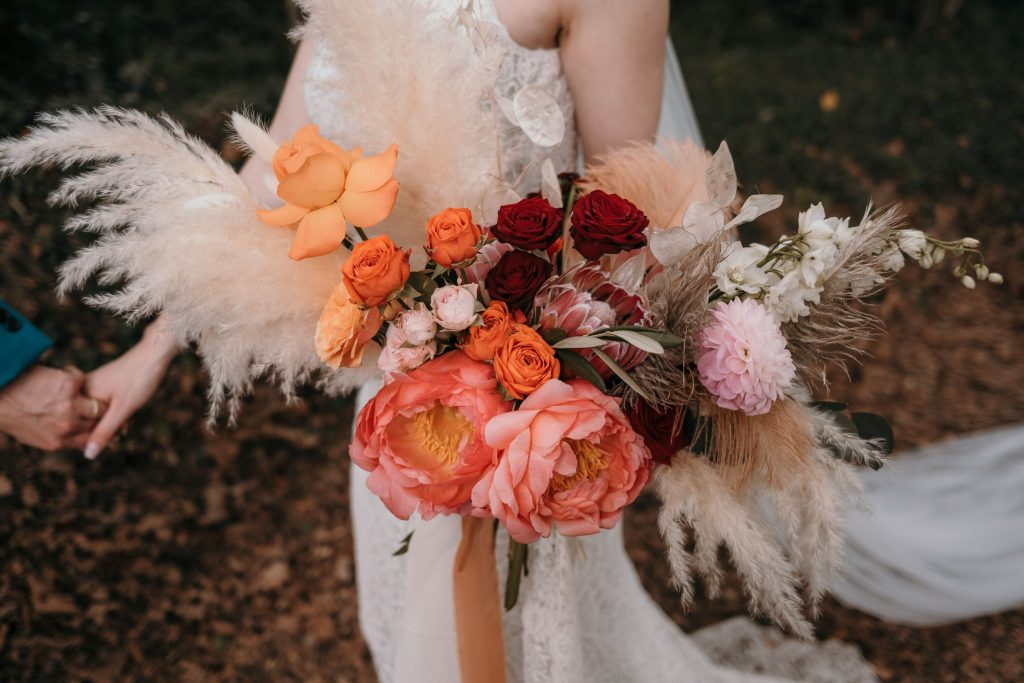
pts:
[613, 54]
[128, 382]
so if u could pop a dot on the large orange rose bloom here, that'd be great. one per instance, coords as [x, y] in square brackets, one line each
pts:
[525, 362]
[344, 330]
[375, 270]
[324, 186]
[483, 340]
[452, 237]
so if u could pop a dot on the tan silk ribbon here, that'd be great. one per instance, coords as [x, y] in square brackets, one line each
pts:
[478, 605]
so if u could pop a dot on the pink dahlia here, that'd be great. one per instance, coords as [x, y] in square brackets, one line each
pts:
[422, 436]
[742, 359]
[585, 300]
[569, 460]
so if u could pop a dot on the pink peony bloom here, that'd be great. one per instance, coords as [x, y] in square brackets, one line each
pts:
[743, 360]
[422, 436]
[570, 462]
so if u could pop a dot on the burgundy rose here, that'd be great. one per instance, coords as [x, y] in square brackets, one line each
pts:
[661, 428]
[605, 223]
[529, 224]
[516, 278]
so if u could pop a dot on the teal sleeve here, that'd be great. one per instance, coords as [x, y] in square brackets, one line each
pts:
[21, 344]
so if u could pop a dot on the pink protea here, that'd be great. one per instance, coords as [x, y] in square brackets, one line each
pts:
[742, 359]
[585, 300]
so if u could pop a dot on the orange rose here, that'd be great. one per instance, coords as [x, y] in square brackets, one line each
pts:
[483, 340]
[525, 362]
[452, 237]
[375, 270]
[324, 186]
[344, 331]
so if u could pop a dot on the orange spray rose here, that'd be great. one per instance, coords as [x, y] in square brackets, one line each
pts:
[525, 362]
[375, 270]
[452, 237]
[483, 340]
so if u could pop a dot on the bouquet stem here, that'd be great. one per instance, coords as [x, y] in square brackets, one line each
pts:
[517, 555]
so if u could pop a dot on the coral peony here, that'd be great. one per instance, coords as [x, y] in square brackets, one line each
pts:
[421, 437]
[375, 270]
[569, 461]
[452, 237]
[324, 186]
[344, 330]
[743, 360]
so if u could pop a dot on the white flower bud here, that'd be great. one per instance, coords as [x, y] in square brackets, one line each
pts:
[926, 261]
[967, 281]
[938, 254]
[981, 271]
[970, 243]
[995, 278]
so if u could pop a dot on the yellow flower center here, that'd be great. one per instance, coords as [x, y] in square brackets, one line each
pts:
[441, 431]
[590, 460]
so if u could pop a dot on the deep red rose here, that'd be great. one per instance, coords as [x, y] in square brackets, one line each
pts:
[661, 428]
[529, 224]
[605, 223]
[516, 278]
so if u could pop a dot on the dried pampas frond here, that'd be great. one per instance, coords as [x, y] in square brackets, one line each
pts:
[836, 331]
[774, 448]
[662, 181]
[781, 570]
[419, 84]
[846, 446]
[693, 493]
[679, 303]
[178, 233]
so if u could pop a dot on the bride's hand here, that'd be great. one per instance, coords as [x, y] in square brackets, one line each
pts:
[128, 382]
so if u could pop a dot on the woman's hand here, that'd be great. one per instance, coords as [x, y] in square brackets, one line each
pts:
[127, 383]
[45, 408]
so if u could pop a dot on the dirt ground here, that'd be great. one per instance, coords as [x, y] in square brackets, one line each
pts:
[190, 554]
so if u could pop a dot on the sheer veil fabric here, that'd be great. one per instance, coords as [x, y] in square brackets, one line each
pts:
[583, 614]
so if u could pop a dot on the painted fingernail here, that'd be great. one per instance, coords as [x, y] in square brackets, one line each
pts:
[92, 450]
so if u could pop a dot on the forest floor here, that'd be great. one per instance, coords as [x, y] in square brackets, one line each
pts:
[193, 554]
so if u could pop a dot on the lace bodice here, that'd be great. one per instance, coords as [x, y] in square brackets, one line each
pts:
[519, 68]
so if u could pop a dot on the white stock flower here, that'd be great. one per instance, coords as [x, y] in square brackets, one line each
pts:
[913, 243]
[738, 271]
[892, 259]
[788, 298]
[815, 263]
[417, 325]
[454, 306]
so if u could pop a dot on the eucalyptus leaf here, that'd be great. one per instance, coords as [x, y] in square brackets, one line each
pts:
[639, 340]
[403, 546]
[622, 374]
[581, 367]
[554, 335]
[582, 342]
[872, 426]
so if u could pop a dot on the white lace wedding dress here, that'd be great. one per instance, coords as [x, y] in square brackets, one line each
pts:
[583, 614]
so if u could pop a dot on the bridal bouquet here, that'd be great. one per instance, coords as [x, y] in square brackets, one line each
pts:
[546, 351]
[539, 371]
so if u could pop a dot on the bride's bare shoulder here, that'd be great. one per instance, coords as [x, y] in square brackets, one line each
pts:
[541, 23]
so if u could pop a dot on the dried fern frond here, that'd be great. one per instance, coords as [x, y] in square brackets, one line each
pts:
[836, 330]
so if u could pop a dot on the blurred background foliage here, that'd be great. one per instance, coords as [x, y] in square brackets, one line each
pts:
[188, 554]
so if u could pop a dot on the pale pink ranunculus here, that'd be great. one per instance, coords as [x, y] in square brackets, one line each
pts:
[422, 436]
[742, 358]
[570, 461]
[417, 325]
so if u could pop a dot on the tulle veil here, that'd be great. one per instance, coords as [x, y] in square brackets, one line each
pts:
[942, 537]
